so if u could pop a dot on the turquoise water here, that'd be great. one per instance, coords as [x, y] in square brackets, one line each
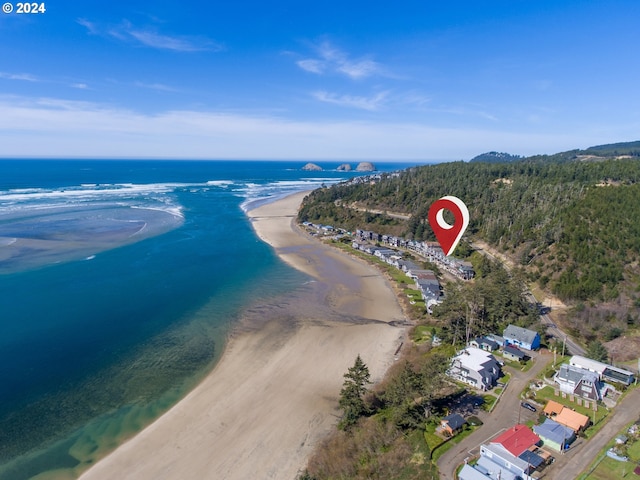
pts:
[119, 282]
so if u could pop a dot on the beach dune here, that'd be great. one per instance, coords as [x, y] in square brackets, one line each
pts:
[274, 393]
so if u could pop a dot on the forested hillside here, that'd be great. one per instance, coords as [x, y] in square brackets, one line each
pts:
[573, 224]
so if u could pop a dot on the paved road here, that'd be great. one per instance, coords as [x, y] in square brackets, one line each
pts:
[580, 456]
[506, 413]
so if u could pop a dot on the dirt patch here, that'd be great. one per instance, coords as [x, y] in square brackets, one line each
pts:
[624, 349]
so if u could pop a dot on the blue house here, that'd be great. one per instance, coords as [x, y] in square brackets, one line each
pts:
[521, 337]
[555, 435]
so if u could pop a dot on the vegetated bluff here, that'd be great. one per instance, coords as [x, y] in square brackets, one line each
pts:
[572, 220]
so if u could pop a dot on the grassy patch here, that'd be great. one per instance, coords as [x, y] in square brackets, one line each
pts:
[547, 393]
[489, 400]
[605, 468]
[422, 333]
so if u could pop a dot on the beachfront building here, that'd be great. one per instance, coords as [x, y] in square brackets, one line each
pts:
[521, 337]
[431, 251]
[476, 367]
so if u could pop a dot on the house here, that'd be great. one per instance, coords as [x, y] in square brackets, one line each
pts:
[578, 381]
[498, 460]
[510, 456]
[552, 408]
[565, 416]
[484, 343]
[512, 353]
[604, 371]
[521, 337]
[476, 367]
[465, 270]
[572, 419]
[555, 435]
[452, 424]
[517, 439]
[496, 338]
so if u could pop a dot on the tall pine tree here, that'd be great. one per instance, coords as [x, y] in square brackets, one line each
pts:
[352, 394]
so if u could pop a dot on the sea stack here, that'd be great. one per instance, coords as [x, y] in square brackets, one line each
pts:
[312, 167]
[345, 167]
[365, 167]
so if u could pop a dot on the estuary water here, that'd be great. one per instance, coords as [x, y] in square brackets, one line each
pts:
[119, 281]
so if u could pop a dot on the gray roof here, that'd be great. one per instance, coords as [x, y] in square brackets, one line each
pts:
[569, 373]
[516, 352]
[553, 431]
[523, 335]
[455, 420]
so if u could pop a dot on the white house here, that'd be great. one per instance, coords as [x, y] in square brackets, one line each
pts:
[478, 368]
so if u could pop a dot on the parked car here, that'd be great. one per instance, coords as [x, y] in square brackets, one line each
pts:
[528, 406]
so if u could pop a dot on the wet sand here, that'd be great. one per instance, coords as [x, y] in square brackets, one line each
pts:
[274, 393]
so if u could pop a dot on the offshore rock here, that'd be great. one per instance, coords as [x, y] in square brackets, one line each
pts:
[365, 167]
[345, 167]
[312, 167]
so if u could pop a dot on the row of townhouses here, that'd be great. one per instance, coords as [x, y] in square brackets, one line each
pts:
[425, 280]
[429, 250]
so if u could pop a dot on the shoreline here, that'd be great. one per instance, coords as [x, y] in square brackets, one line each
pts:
[273, 394]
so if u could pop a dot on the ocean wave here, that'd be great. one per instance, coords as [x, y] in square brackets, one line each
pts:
[220, 183]
[155, 196]
[255, 194]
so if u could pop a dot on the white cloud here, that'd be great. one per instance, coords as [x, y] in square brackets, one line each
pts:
[19, 76]
[360, 69]
[332, 59]
[364, 103]
[156, 86]
[313, 66]
[150, 37]
[62, 128]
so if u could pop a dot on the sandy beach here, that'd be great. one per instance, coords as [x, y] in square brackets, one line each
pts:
[274, 393]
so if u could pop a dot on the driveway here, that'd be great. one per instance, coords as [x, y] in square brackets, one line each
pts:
[506, 413]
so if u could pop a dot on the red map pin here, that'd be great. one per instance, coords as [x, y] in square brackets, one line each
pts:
[448, 235]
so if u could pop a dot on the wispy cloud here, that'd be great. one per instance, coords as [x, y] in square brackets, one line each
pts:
[150, 37]
[333, 60]
[156, 86]
[59, 127]
[26, 77]
[363, 103]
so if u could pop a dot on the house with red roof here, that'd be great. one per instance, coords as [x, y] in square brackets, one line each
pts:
[510, 456]
[517, 439]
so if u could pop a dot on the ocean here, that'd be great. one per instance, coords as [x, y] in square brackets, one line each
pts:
[119, 283]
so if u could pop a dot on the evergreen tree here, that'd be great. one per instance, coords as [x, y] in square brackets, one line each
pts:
[352, 394]
[597, 351]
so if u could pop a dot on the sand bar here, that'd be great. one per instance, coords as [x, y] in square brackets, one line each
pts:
[273, 395]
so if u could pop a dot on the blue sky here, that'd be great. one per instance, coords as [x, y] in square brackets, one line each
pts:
[409, 80]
